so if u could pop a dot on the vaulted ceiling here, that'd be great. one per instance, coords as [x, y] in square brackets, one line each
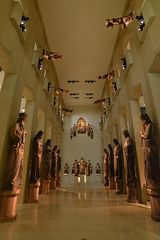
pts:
[76, 28]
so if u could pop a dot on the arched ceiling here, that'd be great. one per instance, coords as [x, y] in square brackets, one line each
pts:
[76, 28]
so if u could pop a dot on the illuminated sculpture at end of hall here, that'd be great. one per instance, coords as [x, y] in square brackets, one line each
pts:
[81, 127]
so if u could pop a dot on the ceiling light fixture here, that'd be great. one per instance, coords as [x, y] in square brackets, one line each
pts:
[73, 81]
[90, 81]
[23, 23]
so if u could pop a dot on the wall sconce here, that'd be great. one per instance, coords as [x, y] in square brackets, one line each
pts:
[67, 110]
[60, 90]
[141, 22]
[23, 23]
[109, 75]
[124, 63]
[51, 55]
[122, 21]
[100, 101]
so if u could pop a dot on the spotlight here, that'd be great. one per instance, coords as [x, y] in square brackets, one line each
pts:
[23, 23]
[109, 101]
[40, 65]
[124, 63]
[141, 22]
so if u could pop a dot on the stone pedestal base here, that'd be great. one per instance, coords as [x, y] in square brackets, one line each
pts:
[132, 193]
[155, 204]
[53, 183]
[45, 186]
[119, 186]
[58, 182]
[112, 184]
[33, 196]
[8, 205]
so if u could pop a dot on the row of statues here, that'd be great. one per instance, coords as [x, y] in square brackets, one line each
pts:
[45, 162]
[82, 167]
[119, 162]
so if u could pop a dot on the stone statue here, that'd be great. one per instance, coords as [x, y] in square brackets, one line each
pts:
[98, 168]
[129, 157]
[111, 161]
[46, 161]
[151, 166]
[106, 168]
[37, 149]
[66, 169]
[76, 168]
[58, 162]
[118, 161]
[130, 167]
[15, 162]
[54, 162]
[82, 165]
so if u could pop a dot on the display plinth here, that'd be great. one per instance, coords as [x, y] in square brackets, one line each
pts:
[132, 193]
[119, 186]
[155, 204]
[112, 184]
[33, 196]
[58, 182]
[53, 183]
[45, 186]
[8, 205]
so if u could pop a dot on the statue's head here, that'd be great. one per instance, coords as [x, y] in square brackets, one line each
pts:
[22, 116]
[126, 133]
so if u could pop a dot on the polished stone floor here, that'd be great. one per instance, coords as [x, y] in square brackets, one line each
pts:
[81, 213]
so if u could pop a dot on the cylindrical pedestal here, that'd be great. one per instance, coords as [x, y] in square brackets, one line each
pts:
[8, 205]
[33, 196]
[155, 204]
[112, 184]
[119, 186]
[45, 186]
[58, 182]
[106, 182]
[132, 193]
[53, 183]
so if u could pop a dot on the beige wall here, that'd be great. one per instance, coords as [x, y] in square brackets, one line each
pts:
[22, 78]
[140, 78]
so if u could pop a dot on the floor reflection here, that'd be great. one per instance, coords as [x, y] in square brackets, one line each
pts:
[81, 212]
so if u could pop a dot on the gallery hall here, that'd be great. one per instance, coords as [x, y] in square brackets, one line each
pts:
[80, 119]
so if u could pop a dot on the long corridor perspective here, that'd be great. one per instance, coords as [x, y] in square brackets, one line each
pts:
[83, 213]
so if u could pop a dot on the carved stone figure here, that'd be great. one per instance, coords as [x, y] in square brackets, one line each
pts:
[118, 161]
[130, 167]
[151, 167]
[66, 169]
[37, 149]
[111, 161]
[98, 168]
[106, 168]
[47, 159]
[54, 162]
[14, 165]
[58, 162]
